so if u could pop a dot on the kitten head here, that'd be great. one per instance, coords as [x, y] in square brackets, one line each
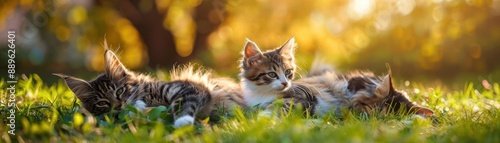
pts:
[393, 101]
[108, 91]
[272, 70]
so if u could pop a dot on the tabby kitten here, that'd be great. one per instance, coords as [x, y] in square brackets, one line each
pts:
[267, 76]
[365, 92]
[190, 93]
[370, 93]
[264, 75]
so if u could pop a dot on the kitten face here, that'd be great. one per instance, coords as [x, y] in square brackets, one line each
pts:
[108, 91]
[392, 100]
[271, 70]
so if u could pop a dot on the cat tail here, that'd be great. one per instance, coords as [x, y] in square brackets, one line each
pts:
[319, 67]
[192, 73]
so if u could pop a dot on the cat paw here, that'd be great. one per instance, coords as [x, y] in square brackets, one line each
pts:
[139, 105]
[184, 120]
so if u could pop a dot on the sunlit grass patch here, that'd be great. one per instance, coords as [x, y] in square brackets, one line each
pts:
[51, 113]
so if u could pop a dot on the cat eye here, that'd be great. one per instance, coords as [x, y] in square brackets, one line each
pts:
[271, 74]
[102, 104]
[120, 91]
[288, 72]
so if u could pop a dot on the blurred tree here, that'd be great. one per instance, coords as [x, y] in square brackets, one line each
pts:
[430, 38]
[160, 41]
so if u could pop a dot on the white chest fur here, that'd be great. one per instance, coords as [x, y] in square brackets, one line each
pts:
[256, 95]
[253, 99]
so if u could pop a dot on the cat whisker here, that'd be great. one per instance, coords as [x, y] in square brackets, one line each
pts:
[131, 98]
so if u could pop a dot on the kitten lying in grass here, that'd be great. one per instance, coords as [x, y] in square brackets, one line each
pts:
[190, 92]
[268, 76]
[368, 93]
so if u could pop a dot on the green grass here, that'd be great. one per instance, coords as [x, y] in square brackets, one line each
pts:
[50, 113]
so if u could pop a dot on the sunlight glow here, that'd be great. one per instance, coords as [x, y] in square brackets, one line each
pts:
[334, 26]
[359, 39]
[438, 13]
[382, 21]
[360, 8]
[405, 7]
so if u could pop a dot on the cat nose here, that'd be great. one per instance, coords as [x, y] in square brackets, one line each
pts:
[284, 83]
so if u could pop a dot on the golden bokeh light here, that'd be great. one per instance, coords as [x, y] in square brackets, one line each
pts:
[433, 35]
[77, 15]
[63, 33]
[405, 7]
[134, 56]
[96, 63]
[360, 8]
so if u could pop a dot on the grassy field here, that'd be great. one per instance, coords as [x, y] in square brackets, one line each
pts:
[50, 113]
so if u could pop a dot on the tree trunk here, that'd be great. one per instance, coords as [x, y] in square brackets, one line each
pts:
[204, 27]
[159, 41]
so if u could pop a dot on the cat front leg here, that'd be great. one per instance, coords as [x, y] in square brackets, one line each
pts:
[184, 112]
[186, 108]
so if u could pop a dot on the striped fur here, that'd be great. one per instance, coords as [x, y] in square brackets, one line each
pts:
[191, 92]
[366, 92]
[226, 92]
[323, 90]
[99, 95]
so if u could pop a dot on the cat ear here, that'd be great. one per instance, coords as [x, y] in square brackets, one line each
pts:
[386, 87]
[423, 111]
[389, 76]
[251, 50]
[252, 54]
[114, 68]
[289, 47]
[81, 88]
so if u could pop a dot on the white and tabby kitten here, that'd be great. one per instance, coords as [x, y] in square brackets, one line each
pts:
[264, 75]
[267, 76]
[190, 93]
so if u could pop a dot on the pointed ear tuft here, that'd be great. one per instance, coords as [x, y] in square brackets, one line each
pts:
[114, 68]
[105, 44]
[424, 111]
[289, 47]
[385, 88]
[388, 68]
[81, 88]
[251, 50]
[391, 84]
[392, 89]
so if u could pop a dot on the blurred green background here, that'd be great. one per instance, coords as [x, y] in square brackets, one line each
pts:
[434, 41]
